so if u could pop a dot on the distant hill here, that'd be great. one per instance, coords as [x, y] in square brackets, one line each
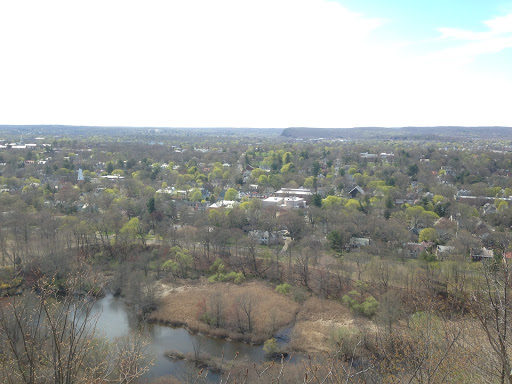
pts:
[404, 133]
[86, 131]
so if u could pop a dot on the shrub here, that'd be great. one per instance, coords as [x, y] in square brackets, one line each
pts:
[283, 288]
[367, 307]
[270, 346]
[345, 339]
[235, 277]
[299, 295]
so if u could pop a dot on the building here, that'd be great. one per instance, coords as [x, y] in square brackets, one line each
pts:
[292, 202]
[272, 202]
[480, 254]
[413, 250]
[355, 243]
[265, 237]
[357, 190]
[228, 204]
[444, 250]
[304, 193]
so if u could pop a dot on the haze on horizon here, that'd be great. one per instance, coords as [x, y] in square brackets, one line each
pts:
[264, 63]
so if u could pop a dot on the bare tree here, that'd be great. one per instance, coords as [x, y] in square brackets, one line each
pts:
[492, 305]
[216, 308]
[301, 266]
[244, 307]
[47, 338]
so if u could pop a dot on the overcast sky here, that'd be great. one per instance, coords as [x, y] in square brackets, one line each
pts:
[260, 63]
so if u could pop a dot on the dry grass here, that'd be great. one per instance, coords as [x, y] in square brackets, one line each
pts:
[316, 321]
[184, 306]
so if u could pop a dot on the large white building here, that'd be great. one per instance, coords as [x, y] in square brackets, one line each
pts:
[303, 193]
[283, 202]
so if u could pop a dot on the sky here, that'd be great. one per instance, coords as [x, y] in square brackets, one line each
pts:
[256, 63]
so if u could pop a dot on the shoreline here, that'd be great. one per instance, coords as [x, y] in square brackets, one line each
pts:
[216, 333]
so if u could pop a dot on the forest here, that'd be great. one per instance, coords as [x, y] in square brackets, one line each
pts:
[388, 260]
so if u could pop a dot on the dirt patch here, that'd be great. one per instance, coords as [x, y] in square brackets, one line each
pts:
[164, 290]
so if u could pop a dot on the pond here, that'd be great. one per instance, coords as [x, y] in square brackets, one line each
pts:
[115, 319]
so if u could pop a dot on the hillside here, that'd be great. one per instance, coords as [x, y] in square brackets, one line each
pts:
[407, 133]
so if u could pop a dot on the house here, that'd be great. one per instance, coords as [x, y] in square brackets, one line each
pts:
[489, 208]
[368, 156]
[446, 228]
[386, 156]
[444, 250]
[415, 231]
[229, 204]
[479, 254]
[404, 201]
[168, 190]
[413, 250]
[357, 190]
[265, 237]
[449, 170]
[112, 177]
[355, 243]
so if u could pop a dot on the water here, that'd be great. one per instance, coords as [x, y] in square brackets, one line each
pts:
[116, 319]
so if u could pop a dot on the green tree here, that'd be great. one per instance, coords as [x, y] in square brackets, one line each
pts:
[231, 194]
[413, 170]
[316, 200]
[257, 172]
[336, 241]
[262, 180]
[196, 195]
[428, 234]
[315, 169]
[131, 228]
[151, 205]
[118, 172]
[110, 167]
[288, 168]
[309, 182]
[414, 213]
[332, 202]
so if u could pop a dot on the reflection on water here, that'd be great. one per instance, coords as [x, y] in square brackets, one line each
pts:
[115, 319]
